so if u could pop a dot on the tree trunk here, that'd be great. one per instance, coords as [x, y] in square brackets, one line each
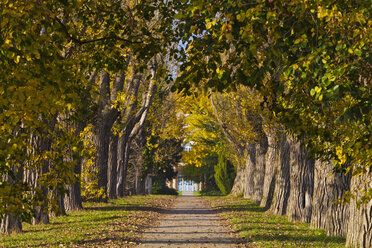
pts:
[41, 217]
[72, 200]
[250, 170]
[60, 210]
[321, 198]
[101, 140]
[102, 128]
[359, 232]
[31, 177]
[112, 167]
[302, 183]
[139, 182]
[282, 181]
[239, 181]
[138, 165]
[133, 126]
[10, 224]
[271, 160]
[328, 188]
[123, 158]
[260, 166]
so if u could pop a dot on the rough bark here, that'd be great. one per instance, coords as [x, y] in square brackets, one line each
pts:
[359, 232]
[101, 141]
[328, 188]
[321, 198]
[106, 117]
[239, 181]
[112, 167]
[122, 157]
[123, 140]
[302, 183]
[72, 200]
[282, 182]
[259, 174]
[250, 170]
[271, 160]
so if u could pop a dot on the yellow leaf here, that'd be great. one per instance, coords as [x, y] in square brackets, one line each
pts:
[229, 36]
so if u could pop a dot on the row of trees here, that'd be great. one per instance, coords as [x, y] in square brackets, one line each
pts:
[307, 67]
[274, 168]
[77, 82]
[78, 79]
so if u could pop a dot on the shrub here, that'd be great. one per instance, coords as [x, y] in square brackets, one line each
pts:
[163, 190]
[224, 174]
[211, 193]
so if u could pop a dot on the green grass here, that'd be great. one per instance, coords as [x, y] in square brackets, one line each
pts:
[263, 229]
[113, 224]
[211, 193]
[179, 192]
[197, 193]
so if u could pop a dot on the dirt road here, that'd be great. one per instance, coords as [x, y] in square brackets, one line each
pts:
[189, 223]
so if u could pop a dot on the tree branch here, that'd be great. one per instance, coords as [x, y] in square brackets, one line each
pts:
[82, 42]
[229, 137]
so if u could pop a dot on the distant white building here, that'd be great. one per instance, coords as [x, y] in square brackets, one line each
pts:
[180, 183]
[188, 146]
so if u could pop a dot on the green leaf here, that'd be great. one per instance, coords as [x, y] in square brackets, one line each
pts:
[312, 92]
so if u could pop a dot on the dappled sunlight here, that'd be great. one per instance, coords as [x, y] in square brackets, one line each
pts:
[269, 230]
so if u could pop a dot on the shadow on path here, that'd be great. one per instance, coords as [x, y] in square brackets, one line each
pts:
[189, 223]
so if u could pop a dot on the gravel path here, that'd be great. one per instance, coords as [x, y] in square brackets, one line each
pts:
[189, 223]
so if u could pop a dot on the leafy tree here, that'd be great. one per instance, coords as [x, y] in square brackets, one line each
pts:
[160, 156]
[164, 135]
[309, 60]
[207, 138]
[39, 84]
[201, 173]
[63, 66]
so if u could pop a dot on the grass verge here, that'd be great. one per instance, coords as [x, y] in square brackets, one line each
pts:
[263, 229]
[115, 224]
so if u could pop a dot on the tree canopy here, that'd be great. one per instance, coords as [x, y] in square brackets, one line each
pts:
[310, 60]
[81, 81]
